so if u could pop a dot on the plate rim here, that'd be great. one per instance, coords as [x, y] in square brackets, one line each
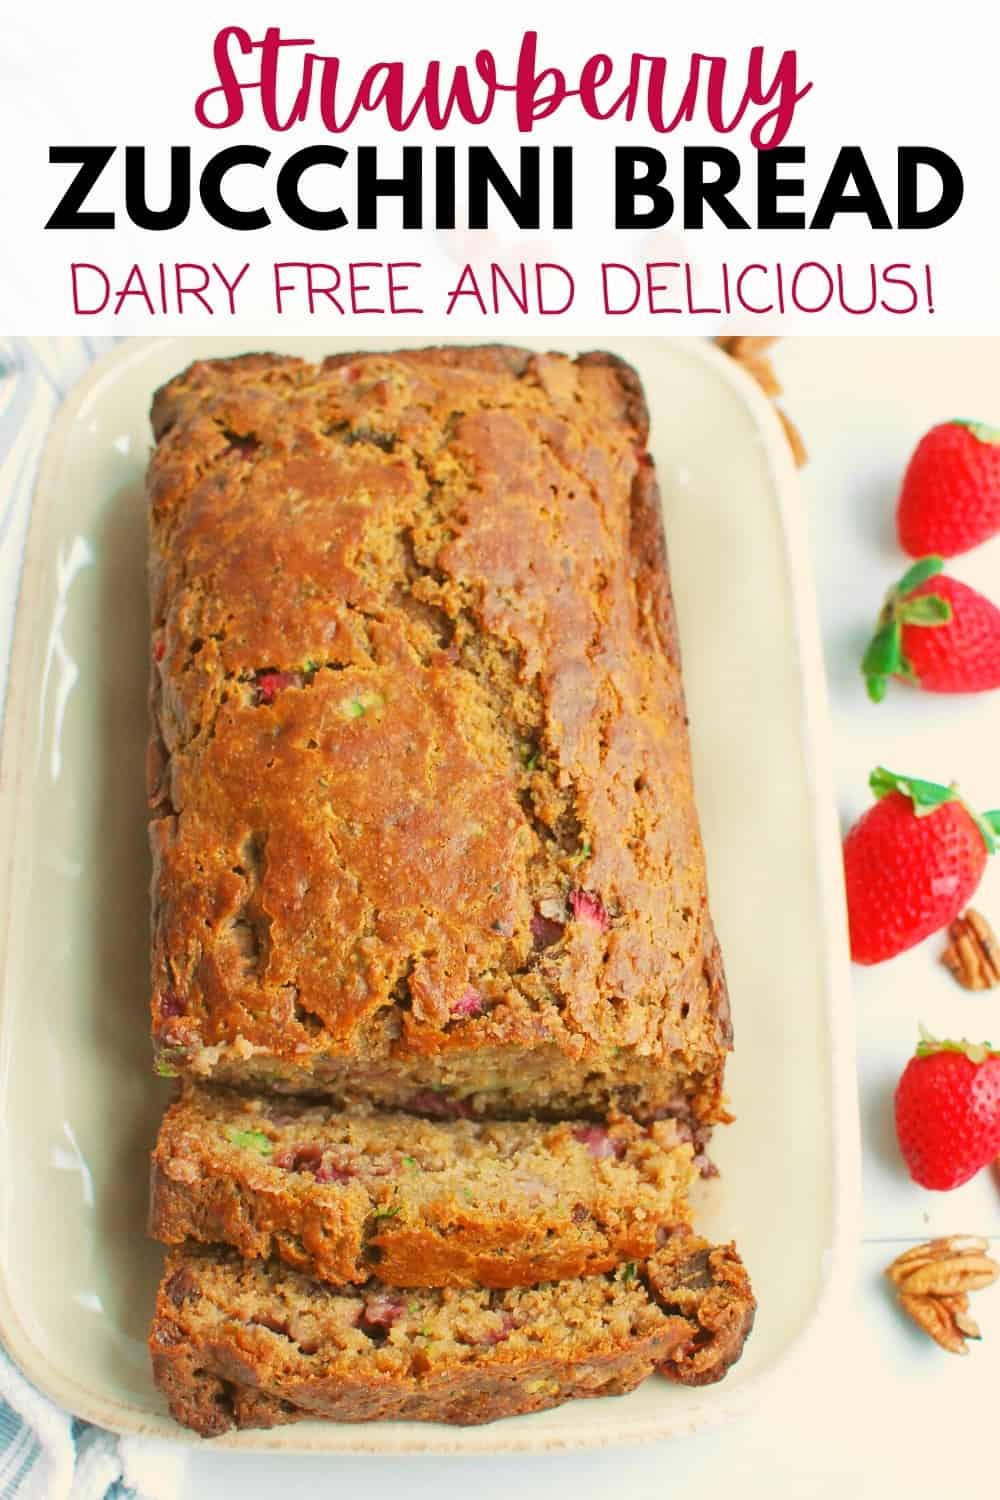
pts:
[127, 1417]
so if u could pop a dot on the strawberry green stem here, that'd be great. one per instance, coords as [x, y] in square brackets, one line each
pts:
[919, 572]
[976, 1052]
[981, 431]
[884, 656]
[927, 796]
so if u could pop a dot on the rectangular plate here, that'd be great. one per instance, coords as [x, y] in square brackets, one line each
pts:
[78, 1103]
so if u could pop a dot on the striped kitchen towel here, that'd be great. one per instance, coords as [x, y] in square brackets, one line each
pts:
[45, 1454]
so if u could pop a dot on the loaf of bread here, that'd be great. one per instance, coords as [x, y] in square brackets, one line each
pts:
[251, 1343]
[421, 803]
[416, 1202]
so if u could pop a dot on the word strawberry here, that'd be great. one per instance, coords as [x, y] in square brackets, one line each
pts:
[911, 863]
[950, 500]
[935, 633]
[948, 1111]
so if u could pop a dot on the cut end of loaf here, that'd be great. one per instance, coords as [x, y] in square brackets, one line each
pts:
[239, 1343]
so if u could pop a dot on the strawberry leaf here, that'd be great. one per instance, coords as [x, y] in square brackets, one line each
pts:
[981, 431]
[925, 795]
[976, 1052]
[927, 567]
[988, 824]
[882, 655]
[883, 659]
[926, 609]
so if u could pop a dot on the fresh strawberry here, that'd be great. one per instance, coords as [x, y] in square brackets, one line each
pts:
[950, 500]
[911, 863]
[948, 1112]
[936, 633]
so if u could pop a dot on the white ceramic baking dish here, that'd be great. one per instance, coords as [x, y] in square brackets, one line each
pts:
[78, 1102]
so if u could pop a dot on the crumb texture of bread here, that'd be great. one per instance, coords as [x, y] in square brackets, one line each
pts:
[343, 1196]
[421, 808]
[251, 1343]
[432, 956]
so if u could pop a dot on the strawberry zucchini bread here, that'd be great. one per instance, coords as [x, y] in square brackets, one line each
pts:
[432, 955]
[421, 806]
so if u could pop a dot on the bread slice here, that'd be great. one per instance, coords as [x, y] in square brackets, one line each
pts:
[456, 1203]
[250, 1343]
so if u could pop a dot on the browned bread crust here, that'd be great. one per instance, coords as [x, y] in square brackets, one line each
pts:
[238, 1343]
[708, 1285]
[342, 1197]
[421, 806]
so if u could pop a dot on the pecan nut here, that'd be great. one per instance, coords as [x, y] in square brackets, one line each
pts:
[933, 1281]
[973, 954]
[798, 447]
[749, 351]
[742, 346]
[945, 1319]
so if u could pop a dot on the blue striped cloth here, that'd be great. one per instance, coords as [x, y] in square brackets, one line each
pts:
[46, 1454]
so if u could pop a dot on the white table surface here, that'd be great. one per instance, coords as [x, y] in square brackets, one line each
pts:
[880, 1411]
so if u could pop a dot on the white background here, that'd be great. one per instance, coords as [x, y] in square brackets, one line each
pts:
[882, 77]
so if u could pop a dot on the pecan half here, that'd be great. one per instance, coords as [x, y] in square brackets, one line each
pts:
[749, 351]
[933, 1283]
[973, 954]
[799, 451]
[945, 1319]
[742, 346]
